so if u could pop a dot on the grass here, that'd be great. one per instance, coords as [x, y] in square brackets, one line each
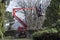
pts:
[12, 38]
[18, 39]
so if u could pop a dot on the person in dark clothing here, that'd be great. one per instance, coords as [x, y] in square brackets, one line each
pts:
[38, 10]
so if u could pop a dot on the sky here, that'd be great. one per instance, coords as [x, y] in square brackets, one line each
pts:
[11, 5]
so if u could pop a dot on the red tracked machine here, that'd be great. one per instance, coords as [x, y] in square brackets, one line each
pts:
[21, 30]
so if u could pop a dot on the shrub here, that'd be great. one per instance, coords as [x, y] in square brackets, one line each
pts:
[47, 34]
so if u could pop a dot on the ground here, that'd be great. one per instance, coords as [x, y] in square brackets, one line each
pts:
[17, 39]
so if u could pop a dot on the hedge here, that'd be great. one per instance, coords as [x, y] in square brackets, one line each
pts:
[47, 34]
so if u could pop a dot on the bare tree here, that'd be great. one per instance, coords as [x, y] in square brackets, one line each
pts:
[31, 16]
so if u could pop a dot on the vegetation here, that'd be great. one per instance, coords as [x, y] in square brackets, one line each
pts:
[2, 11]
[53, 14]
[9, 19]
[47, 34]
[51, 26]
[52, 22]
[45, 31]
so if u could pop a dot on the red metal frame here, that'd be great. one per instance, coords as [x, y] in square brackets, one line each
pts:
[14, 9]
[17, 18]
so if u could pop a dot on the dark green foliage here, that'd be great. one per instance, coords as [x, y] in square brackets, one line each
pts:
[2, 11]
[52, 13]
[8, 16]
[52, 22]
[47, 34]
[45, 31]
